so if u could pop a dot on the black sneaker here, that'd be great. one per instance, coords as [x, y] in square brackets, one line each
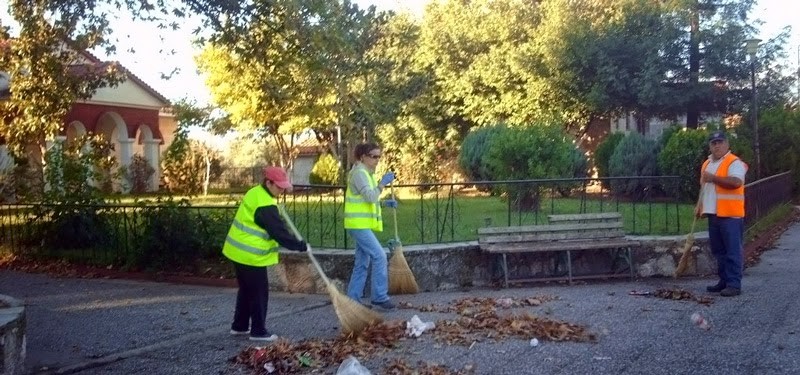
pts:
[385, 306]
[715, 288]
[730, 292]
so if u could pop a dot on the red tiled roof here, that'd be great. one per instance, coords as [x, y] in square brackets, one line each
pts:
[309, 147]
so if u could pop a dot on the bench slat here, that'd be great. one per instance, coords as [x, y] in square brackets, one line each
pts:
[557, 246]
[597, 234]
[548, 228]
[553, 219]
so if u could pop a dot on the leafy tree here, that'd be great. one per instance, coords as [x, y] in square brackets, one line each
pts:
[247, 150]
[47, 69]
[189, 166]
[313, 72]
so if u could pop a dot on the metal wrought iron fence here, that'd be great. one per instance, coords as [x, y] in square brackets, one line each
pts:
[452, 212]
[170, 233]
[761, 196]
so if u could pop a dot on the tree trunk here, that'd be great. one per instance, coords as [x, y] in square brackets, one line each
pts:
[692, 112]
[208, 172]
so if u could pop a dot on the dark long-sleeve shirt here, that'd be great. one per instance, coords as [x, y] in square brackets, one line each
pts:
[269, 218]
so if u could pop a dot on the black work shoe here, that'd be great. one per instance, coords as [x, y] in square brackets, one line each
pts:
[715, 288]
[730, 292]
[384, 306]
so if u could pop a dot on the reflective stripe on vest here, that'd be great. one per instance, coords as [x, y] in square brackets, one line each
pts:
[247, 243]
[358, 213]
[730, 202]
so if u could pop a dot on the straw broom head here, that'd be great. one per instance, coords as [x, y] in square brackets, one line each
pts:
[401, 279]
[683, 264]
[353, 316]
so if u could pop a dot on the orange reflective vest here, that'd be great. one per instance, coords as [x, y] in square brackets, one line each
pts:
[730, 202]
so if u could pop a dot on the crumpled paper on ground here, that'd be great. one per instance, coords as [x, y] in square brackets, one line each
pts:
[415, 327]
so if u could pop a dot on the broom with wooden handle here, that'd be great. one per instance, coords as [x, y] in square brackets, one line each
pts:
[353, 316]
[683, 263]
[401, 279]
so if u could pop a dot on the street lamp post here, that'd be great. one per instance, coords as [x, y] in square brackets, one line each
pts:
[752, 47]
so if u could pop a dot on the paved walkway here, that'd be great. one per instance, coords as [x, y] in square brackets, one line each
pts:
[125, 327]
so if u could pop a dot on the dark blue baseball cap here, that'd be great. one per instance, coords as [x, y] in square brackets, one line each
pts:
[718, 135]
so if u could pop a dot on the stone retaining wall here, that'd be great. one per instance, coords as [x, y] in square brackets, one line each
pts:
[455, 265]
[12, 336]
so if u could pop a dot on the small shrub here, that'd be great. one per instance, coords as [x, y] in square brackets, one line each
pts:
[532, 152]
[138, 174]
[325, 171]
[683, 155]
[634, 156]
[603, 154]
[168, 238]
[471, 157]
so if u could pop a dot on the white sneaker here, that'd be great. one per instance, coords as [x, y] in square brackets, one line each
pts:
[239, 333]
[269, 337]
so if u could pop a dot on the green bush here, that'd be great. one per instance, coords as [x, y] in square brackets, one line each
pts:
[668, 133]
[532, 152]
[780, 143]
[634, 156]
[168, 239]
[138, 174]
[325, 171]
[683, 155]
[603, 153]
[471, 158]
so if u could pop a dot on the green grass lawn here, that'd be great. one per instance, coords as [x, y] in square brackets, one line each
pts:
[451, 220]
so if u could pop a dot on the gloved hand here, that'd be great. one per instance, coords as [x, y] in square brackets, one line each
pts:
[387, 178]
[305, 248]
[393, 244]
[391, 203]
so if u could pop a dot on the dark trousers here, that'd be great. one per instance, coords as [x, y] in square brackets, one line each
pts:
[251, 300]
[726, 237]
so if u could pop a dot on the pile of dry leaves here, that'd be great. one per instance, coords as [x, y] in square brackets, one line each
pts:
[479, 319]
[682, 295]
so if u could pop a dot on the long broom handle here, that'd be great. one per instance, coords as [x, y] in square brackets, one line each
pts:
[299, 237]
[699, 199]
[394, 213]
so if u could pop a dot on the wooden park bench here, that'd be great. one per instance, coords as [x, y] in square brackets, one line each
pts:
[567, 233]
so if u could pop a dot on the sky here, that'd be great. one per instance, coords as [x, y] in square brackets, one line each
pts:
[150, 56]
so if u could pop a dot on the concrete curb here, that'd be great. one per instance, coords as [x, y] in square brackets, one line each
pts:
[12, 336]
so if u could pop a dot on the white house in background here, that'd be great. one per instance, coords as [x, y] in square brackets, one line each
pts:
[308, 153]
[132, 115]
[654, 127]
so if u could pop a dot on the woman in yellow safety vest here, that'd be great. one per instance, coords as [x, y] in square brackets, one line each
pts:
[362, 217]
[257, 232]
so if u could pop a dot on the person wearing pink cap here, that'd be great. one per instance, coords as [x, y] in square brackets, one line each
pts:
[252, 244]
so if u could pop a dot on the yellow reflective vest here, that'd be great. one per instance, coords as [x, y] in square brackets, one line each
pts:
[247, 243]
[359, 213]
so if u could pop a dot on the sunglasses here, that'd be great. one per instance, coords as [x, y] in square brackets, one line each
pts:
[376, 157]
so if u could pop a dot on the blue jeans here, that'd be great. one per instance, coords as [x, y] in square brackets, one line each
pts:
[368, 250]
[725, 235]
